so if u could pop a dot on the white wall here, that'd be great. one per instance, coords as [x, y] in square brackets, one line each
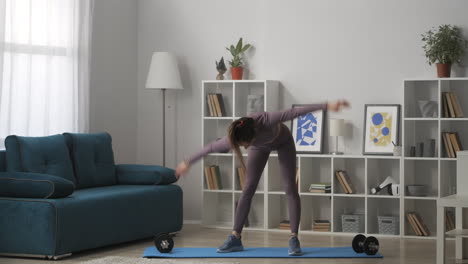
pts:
[113, 91]
[320, 50]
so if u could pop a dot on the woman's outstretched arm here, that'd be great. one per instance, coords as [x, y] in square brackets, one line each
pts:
[221, 145]
[273, 118]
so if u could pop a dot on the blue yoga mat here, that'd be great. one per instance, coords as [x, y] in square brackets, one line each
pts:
[262, 252]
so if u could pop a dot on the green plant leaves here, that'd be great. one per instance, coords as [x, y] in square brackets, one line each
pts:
[237, 52]
[444, 45]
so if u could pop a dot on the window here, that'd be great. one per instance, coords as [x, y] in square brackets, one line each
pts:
[44, 67]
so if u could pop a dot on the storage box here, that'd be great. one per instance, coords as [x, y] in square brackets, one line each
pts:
[352, 223]
[388, 225]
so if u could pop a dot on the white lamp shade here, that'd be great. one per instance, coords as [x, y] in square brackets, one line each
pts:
[163, 72]
[337, 127]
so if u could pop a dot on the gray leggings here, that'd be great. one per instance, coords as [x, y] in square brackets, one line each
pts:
[256, 162]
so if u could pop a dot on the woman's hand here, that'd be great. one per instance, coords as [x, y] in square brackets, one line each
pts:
[181, 169]
[337, 105]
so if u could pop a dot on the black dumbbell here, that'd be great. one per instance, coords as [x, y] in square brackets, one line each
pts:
[363, 244]
[164, 242]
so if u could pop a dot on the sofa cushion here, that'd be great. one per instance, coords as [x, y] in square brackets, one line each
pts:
[34, 185]
[144, 174]
[93, 159]
[45, 155]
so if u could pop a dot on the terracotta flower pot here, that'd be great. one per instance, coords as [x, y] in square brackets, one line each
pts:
[443, 70]
[236, 73]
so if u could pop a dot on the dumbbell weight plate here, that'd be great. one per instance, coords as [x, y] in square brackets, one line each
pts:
[371, 245]
[358, 243]
[164, 243]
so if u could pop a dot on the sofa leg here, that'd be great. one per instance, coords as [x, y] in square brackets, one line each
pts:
[59, 256]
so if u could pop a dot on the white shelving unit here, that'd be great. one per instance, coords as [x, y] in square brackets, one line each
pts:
[437, 173]
[269, 205]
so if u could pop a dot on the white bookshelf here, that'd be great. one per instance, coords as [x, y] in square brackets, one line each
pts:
[437, 173]
[269, 205]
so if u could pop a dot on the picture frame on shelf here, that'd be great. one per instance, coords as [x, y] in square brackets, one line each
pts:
[307, 131]
[381, 128]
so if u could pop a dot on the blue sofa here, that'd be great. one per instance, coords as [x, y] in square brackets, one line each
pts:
[63, 193]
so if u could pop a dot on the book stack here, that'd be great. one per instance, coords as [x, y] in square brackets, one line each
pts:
[452, 143]
[320, 188]
[449, 221]
[285, 225]
[345, 182]
[450, 105]
[241, 175]
[417, 224]
[215, 104]
[321, 226]
[213, 178]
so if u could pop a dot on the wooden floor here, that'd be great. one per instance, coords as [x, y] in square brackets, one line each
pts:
[394, 250]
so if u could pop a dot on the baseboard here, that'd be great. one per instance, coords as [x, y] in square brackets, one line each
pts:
[192, 222]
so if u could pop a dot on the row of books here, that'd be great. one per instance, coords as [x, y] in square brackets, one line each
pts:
[215, 104]
[213, 178]
[321, 226]
[417, 224]
[449, 221]
[452, 143]
[320, 188]
[284, 225]
[450, 105]
[345, 182]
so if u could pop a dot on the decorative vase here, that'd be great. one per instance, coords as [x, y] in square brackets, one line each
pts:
[443, 70]
[237, 72]
[220, 75]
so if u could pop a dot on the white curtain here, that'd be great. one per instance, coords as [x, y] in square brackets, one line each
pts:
[44, 66]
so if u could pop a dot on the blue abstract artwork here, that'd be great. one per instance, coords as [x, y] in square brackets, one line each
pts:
[306, 130]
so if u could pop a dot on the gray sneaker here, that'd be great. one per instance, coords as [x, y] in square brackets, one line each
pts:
[294, 247]
[231, 244]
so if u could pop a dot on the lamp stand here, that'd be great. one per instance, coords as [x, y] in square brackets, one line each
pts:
[336, 147]
[164, 127]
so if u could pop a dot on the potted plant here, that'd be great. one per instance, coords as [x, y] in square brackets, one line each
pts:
[444, 47]
[236, 63]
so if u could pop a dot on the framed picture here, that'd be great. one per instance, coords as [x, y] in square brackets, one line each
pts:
[381, 128]
[307, 131]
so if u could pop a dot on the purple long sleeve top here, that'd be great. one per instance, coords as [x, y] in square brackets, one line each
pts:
[268, 133]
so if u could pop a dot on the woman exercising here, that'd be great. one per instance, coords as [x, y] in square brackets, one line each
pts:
[261, 133]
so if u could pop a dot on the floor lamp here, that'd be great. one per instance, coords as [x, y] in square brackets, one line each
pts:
[163, 74]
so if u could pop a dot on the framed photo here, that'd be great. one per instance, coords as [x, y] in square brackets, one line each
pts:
[381, 128]
[307, 131]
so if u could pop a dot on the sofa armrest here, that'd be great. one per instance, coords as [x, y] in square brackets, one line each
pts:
[34, 185]
[144, 174]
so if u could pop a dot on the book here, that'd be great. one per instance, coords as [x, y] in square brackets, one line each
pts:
[320, 191]
[347, 181]
[210, 106]
[340, 180]
[450, 105]
[214, 178]
[444, 107]
[217, 105]
[208, 178]
[456, 105]
[421, 224]
[221, 104]
[321, 222]
[241, 175]
[448, 142]
[413, 224]
[218, 178]
[454, 140]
